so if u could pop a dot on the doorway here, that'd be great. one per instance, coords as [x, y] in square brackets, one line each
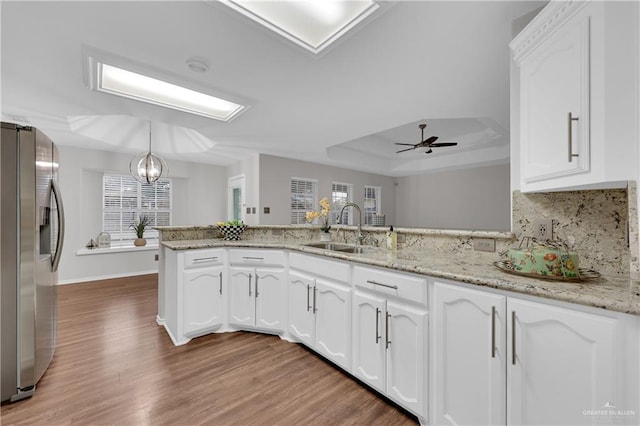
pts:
[236, 198]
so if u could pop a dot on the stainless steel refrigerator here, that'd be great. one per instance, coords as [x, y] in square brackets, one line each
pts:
[31, 236]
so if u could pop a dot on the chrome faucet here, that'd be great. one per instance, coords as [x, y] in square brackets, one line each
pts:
[360, 236]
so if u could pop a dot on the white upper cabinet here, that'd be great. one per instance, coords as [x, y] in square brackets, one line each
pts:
[578, 76]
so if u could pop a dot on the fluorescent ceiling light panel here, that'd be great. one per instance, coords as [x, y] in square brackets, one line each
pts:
[132, 85]
[312, 24]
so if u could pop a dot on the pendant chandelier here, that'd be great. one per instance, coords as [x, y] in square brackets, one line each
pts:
[148, 167]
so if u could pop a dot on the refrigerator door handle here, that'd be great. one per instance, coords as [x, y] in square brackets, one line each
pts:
[60, 238]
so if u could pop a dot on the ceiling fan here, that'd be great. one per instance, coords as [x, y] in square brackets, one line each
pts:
[428, 143]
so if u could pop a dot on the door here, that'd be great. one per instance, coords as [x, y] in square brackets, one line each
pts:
[236, 198]
[560, 364]
[332, 305]
[555, 82]
[301, 317]
[202, 298]
[270, 294]
[241, 297]
[369, 352]
[405, 328]
[470, 376]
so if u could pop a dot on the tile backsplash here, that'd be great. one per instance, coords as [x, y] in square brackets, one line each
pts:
[595, 224]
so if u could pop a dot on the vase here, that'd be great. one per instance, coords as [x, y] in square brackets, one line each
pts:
[140, 242]
[325, 236]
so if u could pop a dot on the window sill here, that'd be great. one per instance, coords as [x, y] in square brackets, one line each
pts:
[118, 249]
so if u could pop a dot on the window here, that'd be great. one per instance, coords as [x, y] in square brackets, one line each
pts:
[303, 199]
[371, 203]
[340, 195]
[125, 199]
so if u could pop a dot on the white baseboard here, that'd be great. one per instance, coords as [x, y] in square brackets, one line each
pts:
[105, 277]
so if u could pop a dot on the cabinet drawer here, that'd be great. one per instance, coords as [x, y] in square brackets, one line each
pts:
[405, 286]
[317, 265]
[257, 257]
[203, 257]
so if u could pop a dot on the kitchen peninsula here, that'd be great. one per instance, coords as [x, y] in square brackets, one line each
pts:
[428, 325]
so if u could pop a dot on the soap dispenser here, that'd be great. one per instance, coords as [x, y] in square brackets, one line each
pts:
[392, 239]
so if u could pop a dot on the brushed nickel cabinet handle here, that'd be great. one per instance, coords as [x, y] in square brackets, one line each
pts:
[315, 307]
[257, 285]
[248, 258]
[378, 325]
[570, 138]
[249, 285]
[205, 259]
[395, 287]
[513, 337]
[308, 290]
[388, 342]
[493, 332]
[220, 282]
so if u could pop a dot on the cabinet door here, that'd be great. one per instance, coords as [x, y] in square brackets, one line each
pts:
[332, 305]
[270, 293]
[369, 355]
[560, 364]
[555, 82]
[301, 318]
[202, 298]
[241, 296]
[406, 334]
[470, 377]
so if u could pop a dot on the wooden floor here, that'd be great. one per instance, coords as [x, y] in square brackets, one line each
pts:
[115, 365]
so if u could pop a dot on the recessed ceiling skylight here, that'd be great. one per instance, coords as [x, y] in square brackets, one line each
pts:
[118, 81]
[313, 24]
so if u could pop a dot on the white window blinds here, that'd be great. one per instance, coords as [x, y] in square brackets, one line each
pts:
[303, 199]
[371, 203]
[341, 195]
[125, 200]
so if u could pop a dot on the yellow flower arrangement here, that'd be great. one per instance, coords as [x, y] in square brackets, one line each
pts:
[323, 214]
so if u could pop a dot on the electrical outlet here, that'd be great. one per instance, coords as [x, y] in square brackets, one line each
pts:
[484, 244]
[543, 229]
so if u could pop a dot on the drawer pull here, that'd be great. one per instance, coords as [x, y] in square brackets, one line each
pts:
[570, 138]
[248, 258]
[395, 287]
[205, 259]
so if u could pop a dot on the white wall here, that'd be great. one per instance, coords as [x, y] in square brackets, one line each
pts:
[199, 198]
[275, 184]
[473, 199]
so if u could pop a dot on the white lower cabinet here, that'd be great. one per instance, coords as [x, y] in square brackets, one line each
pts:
[535, 363]
[195, 292]
[257, 290]
[203, 301]
[320, 306]
[390, 337]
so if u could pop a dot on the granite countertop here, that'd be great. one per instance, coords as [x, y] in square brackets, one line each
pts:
[615, 293]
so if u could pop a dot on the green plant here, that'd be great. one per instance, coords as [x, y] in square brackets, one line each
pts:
[231, 223]
[140, 226]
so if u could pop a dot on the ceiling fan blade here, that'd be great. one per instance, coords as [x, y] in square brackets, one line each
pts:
[408, 144]
[429, 141]
[440, 144]
[403, 150]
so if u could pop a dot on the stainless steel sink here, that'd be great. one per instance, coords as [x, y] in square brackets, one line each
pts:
[341, 247]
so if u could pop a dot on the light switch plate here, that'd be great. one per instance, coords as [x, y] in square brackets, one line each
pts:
[484, 244]
[543, 229]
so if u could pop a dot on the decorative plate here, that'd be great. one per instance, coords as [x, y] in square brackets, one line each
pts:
[585, 274]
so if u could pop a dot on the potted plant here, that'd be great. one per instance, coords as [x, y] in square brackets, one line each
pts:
[139, 228]
[231, 229]
[323, 214]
